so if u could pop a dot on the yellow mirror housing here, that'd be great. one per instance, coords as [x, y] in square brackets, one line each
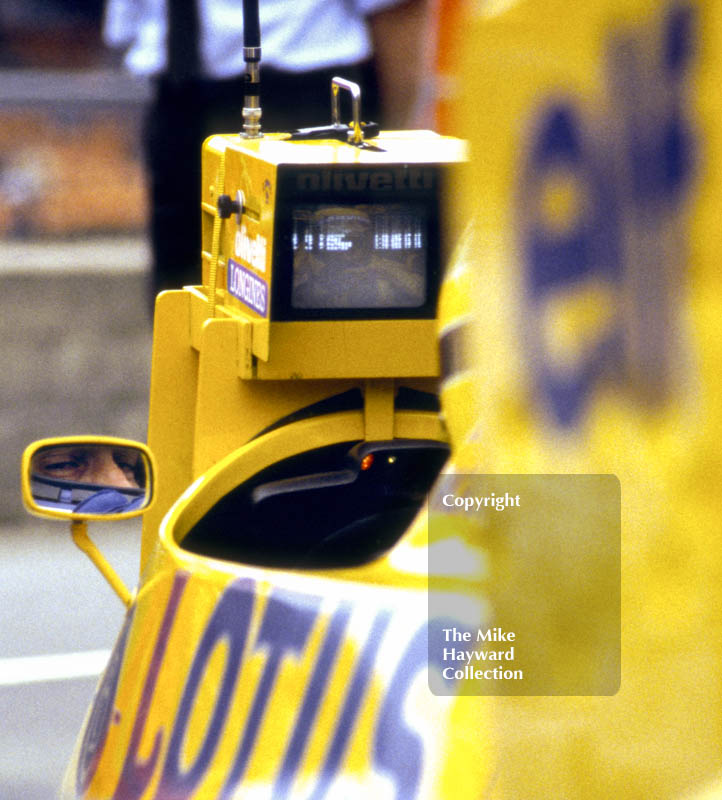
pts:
[88, 477]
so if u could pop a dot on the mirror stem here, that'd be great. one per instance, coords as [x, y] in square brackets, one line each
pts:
[79, 530]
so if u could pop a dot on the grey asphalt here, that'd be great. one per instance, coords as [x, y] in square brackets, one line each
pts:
[75, 338]
[53, 602]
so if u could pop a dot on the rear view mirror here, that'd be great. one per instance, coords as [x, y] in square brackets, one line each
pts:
[86, 477]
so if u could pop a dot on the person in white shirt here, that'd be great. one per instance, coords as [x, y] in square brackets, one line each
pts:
[194, 55]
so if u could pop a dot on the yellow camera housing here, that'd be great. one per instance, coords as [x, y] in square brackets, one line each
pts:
[314, 190]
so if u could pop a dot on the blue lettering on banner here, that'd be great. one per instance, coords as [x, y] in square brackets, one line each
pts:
[585, 251]
[600, 280]
[247, 287]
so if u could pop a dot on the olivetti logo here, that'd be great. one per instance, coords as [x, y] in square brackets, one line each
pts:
[359, 180]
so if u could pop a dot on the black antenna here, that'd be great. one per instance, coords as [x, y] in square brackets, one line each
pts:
[252, 77]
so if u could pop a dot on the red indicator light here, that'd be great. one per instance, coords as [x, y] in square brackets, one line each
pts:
[367, 461]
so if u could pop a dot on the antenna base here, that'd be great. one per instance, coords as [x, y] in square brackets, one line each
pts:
[251, 123]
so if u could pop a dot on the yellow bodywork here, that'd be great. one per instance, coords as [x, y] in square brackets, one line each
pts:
[233, 680]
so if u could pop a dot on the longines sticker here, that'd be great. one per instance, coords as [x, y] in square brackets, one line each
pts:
[247, 287]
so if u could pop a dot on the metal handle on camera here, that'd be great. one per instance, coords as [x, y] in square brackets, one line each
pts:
[356, 136]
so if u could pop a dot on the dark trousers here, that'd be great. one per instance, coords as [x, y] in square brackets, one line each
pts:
[181, 116]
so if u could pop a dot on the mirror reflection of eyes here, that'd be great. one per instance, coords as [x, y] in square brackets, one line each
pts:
[96, 464]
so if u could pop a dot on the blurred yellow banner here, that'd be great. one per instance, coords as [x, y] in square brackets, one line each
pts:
[581, 333]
